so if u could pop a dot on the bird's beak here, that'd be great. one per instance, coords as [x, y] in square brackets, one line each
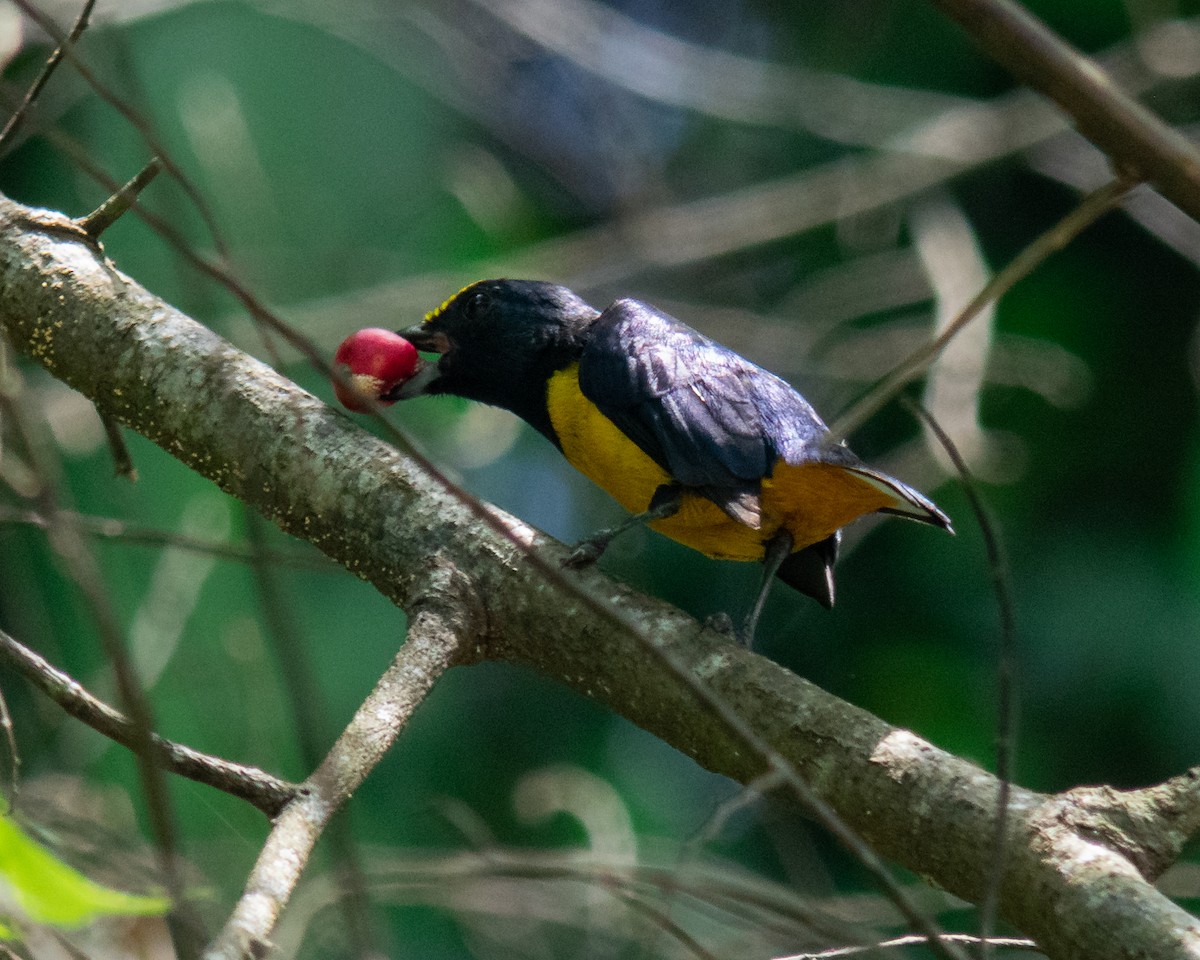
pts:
[425, 339]
[431, 342]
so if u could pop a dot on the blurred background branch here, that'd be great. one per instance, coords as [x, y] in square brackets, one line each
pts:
[1139, 145]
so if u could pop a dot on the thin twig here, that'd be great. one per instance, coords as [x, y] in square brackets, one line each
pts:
[80, 564]
[662, 920]
[914, 940]
[105, 215]
[751, 793]
[138, 122]
[10, 738]
[268, 793]
[108, 528]
[122, 461]
[1087, 212]
[52, 62]
[1006, 670]
[215, 271]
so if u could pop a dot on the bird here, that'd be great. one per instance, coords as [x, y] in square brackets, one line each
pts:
[692, 439]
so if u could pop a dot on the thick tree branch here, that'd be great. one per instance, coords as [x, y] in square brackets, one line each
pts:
[1078, 869]
[1140, 145]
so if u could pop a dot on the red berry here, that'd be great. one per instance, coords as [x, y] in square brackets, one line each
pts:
[374, 362]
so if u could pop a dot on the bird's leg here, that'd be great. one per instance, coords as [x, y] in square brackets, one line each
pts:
[663, 504]
[778, 549]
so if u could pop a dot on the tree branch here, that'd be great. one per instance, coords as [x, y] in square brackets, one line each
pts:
[440, 634]
[22, 112]
[1140, 145]
[1078, 871]
[109, 528]
[255, 786]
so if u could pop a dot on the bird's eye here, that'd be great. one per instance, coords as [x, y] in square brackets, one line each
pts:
[476, 306]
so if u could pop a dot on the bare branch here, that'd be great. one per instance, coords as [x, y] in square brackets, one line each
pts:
[1006, 943]
[441, 633]
[52, 62]
[1090, 209]
[138, 122]
[255, 786]
[109, 528]
[1140, 145]
[105, 215]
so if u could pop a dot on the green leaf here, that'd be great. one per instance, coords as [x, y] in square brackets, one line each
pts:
[50, 892]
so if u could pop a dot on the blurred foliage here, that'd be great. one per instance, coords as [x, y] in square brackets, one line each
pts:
[46, 890]
[363, 160]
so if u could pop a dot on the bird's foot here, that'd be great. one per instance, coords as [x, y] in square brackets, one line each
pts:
[664, 503]
[586, 552]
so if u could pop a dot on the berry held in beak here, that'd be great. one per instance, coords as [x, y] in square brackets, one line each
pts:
[370, 366]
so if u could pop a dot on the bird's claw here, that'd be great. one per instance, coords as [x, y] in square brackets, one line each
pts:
[584, 554]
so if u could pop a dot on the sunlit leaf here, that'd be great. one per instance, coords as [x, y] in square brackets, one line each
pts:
[48, 891]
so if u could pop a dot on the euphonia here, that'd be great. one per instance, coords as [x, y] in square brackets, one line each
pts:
[693, 439]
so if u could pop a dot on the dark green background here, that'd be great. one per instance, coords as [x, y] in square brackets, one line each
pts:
[335, 160]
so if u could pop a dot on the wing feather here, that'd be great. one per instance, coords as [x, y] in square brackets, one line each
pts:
[713, 420]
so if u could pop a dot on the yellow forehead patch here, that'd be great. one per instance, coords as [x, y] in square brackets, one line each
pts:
[434, 314]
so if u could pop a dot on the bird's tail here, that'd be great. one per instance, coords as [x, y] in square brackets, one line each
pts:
[810, 570]
[906, 502]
